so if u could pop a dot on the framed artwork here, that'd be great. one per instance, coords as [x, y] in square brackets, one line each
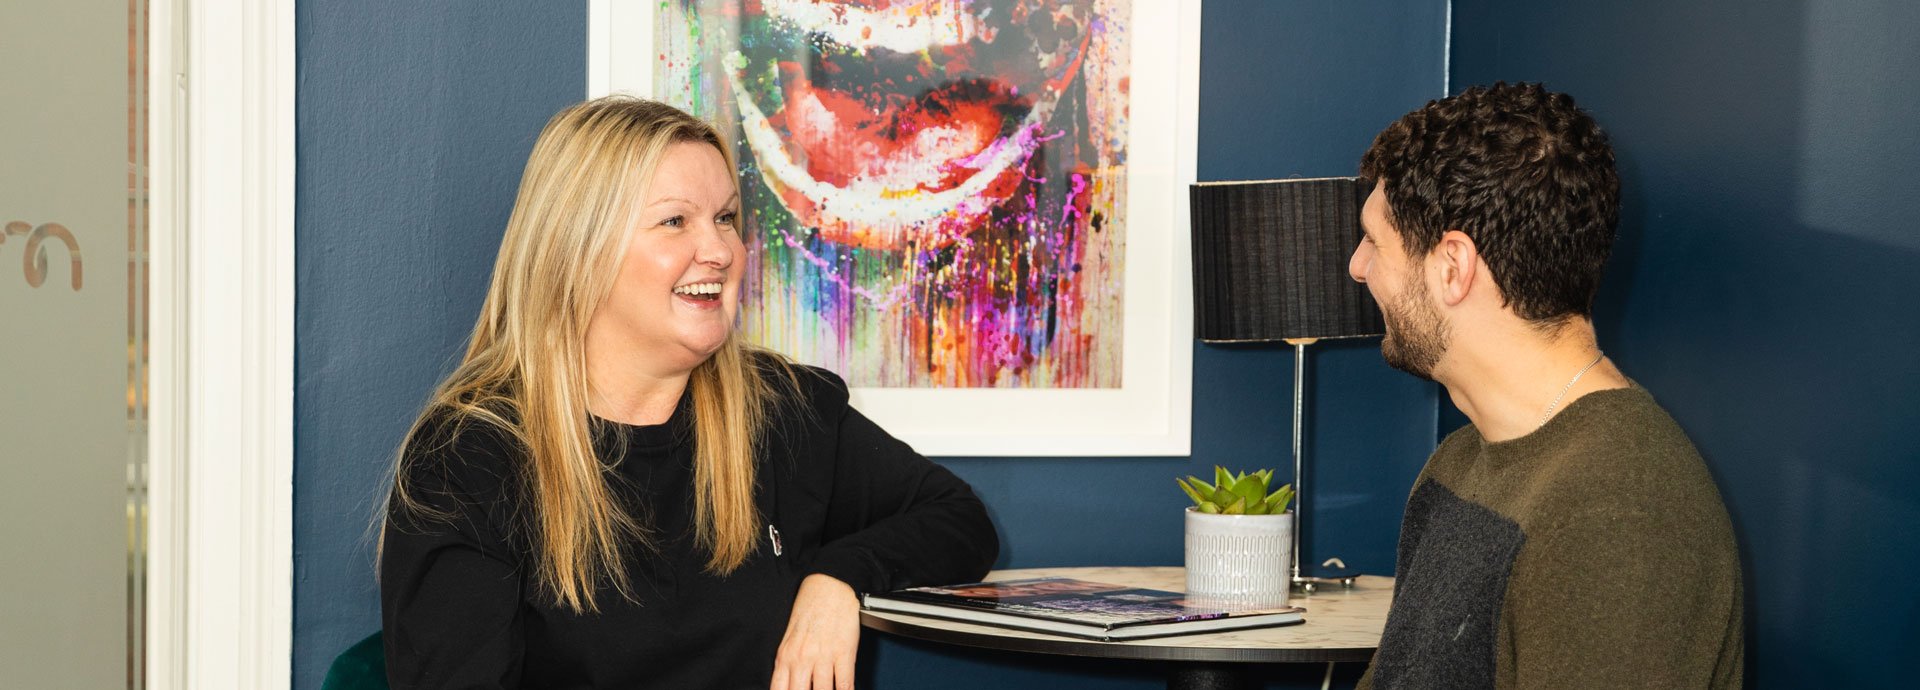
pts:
[973, 210]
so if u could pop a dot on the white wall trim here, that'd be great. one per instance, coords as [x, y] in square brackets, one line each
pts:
[166, 360]
[599, 41]
[221, 584]
[619, 65]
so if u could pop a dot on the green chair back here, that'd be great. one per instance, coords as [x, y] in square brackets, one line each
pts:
[362, 667]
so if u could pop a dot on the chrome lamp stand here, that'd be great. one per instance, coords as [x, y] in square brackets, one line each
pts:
[1305, 584]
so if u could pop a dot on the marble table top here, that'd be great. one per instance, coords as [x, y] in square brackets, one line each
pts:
[1341, 625]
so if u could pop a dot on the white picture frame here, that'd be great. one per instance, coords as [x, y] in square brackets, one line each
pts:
[1151, 413]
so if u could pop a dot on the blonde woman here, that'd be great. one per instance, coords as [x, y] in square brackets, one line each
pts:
[611, 491]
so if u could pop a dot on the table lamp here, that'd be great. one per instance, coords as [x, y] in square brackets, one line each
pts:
[1270, 265]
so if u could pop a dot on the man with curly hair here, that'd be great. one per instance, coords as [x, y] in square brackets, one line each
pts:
[1571, 535]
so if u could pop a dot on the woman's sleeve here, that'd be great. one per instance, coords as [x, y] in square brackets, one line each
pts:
[450, 585]
[895, 518]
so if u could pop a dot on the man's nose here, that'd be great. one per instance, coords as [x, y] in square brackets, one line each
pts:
[1358, 264]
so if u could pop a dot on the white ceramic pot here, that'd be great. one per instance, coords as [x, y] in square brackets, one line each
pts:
[1239, 561]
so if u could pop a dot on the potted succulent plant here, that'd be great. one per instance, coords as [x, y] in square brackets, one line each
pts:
[1239, 539]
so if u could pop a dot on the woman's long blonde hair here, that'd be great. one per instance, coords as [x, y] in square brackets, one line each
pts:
[524, 372]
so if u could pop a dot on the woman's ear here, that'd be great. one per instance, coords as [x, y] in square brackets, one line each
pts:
[1458, 260]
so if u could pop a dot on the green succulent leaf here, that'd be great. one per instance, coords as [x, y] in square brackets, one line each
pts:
[1279, 501]
[1251, 488]
[1190, 491]
[1243, 493]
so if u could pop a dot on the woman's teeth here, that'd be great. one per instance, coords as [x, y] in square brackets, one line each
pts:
[699, 290]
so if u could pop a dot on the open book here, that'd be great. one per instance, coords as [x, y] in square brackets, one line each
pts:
[1065, 606]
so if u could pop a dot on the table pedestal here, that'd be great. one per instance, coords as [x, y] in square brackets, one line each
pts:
[1207, 676]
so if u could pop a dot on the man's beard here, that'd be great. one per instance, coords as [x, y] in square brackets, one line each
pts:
[1416, 335]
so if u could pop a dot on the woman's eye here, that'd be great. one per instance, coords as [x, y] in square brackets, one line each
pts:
[727, 218]
[674, 222]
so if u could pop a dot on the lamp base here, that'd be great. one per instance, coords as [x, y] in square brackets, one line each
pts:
[1306, 586]
[1336, 576]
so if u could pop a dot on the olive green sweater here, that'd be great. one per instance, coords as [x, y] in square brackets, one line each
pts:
[1593, 552]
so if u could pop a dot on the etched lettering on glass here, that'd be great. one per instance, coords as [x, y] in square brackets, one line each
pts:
[34, 260]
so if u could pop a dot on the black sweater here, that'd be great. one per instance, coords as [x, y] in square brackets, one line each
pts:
[461, 606]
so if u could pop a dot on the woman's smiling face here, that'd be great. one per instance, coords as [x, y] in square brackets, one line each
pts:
[677, 293]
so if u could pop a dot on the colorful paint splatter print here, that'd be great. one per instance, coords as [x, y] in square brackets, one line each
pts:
[934, 188]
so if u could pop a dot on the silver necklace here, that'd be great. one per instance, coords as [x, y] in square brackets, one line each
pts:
[1544, 416]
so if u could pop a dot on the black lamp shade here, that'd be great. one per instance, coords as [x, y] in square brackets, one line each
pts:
[1270, 261]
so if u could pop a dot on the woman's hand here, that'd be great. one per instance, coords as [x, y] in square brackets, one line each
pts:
[823, 633]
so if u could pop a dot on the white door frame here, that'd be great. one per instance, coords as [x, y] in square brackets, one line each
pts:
[220, 537]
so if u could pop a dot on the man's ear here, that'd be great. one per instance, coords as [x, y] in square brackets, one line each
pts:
[1457, 265]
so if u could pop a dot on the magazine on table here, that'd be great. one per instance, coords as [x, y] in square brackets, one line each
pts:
[1066, 606]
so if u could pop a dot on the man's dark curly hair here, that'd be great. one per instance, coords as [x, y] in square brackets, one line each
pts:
[1523, 172]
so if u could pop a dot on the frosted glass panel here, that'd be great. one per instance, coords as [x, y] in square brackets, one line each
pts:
[73, 320]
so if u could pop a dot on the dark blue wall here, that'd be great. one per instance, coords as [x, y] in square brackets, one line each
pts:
[1764, 284]
[415, 120]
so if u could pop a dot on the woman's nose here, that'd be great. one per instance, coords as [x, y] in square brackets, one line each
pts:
[714, 249]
